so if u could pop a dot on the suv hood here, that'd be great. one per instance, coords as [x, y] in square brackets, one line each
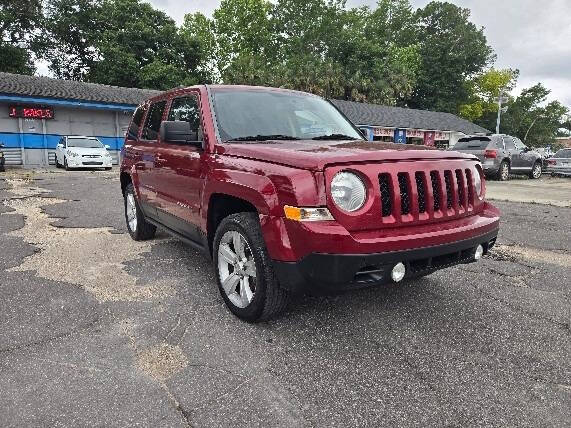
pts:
[316, 155]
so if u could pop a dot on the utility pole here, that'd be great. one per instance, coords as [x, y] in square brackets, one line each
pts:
[502, 98]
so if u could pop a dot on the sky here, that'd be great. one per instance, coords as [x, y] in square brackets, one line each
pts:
[533, 36]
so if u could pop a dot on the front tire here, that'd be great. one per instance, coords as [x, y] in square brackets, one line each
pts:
[535, 171]
[244, 271]
[504, 171]
[138, 227]
[65, 165]
[57, 163]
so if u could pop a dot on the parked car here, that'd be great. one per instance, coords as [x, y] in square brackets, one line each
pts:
[2, 159]
[77, 151]
[501, 155]
[560, 164]
[284, 194]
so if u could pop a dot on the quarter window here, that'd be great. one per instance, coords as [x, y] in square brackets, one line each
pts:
[153, 122]
[133, 131]
[187, 109]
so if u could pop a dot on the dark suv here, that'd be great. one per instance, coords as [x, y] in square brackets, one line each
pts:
[286, 196]
[501, 155]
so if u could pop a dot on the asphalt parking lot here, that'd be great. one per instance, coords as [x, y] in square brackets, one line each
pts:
[99, 330]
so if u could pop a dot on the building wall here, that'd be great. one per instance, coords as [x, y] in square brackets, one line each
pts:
[33, 141]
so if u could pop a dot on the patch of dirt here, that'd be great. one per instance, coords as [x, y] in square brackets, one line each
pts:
[516, 252]
[91, 258]
[162, 361]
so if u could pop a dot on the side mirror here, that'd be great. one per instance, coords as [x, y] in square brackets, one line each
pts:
[178, 132]
[107, 146]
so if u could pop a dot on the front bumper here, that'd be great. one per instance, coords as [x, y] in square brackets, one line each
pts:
[559, 170]
[89, 163]
[323, 273]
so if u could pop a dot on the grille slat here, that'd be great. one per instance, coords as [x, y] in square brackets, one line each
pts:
[449, 193]
[405, 201]
[419, 178]
[386, 199]
[461, 188]
[435, 179]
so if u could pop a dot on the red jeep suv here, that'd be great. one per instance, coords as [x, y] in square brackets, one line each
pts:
[286, 196]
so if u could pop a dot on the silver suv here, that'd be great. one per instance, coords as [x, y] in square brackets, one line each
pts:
[501, 155]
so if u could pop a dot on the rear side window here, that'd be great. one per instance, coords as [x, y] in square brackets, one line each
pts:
[133, 131]
[153, 122]
[186, 109]
[565, 153]
[509, 143]
[473, 143]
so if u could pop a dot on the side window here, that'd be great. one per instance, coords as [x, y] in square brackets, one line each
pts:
[518, 144]
[133, 131]
[186, 109]
[499, 143]
[153, 122]
[509, 143]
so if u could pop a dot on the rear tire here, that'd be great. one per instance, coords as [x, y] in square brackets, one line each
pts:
[504, 171]
[535, 171]
[266, 299]
[138, 227]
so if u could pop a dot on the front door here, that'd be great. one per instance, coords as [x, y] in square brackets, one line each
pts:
[182, 174]
[146, 164]
[524, 159]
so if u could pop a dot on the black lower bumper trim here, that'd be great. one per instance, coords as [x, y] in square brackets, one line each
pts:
[332, 272]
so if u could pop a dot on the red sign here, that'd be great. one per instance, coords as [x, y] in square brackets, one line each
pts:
[31, 112]
[383, 132]
[429, 138]
[414, 133]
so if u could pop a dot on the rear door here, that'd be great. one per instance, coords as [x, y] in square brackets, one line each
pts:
[182, 172]
[146, 158]
[511, 150]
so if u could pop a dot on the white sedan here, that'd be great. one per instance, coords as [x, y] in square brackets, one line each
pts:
[82, 152]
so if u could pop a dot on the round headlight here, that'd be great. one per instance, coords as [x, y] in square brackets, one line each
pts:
[348, 191]
[478, 182]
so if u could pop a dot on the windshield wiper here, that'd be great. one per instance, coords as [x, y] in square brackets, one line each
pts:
[335, 137]
[263, 138]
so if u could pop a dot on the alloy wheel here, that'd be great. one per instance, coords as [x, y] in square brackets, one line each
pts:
[131, 209]
[536, 171]
[237, 268]
[505, 172]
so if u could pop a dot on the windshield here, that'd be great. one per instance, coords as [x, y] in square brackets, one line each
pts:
[267, 114]
[475, 143]
[563, 153]
[87, 143]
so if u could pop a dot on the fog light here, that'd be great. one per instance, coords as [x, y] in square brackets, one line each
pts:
[398, 272]
[479, 252]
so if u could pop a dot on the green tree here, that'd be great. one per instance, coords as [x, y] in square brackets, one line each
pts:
[484, 90]
[119, 42]
[452, 50]
[18, 21]
[533, 120]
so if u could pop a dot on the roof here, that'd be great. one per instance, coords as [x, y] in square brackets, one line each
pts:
[46, 87]
[398, 117]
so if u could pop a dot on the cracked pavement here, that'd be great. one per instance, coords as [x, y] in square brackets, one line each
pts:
[99, 330]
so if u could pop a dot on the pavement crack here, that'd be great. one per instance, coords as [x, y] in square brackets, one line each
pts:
[47, 340]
